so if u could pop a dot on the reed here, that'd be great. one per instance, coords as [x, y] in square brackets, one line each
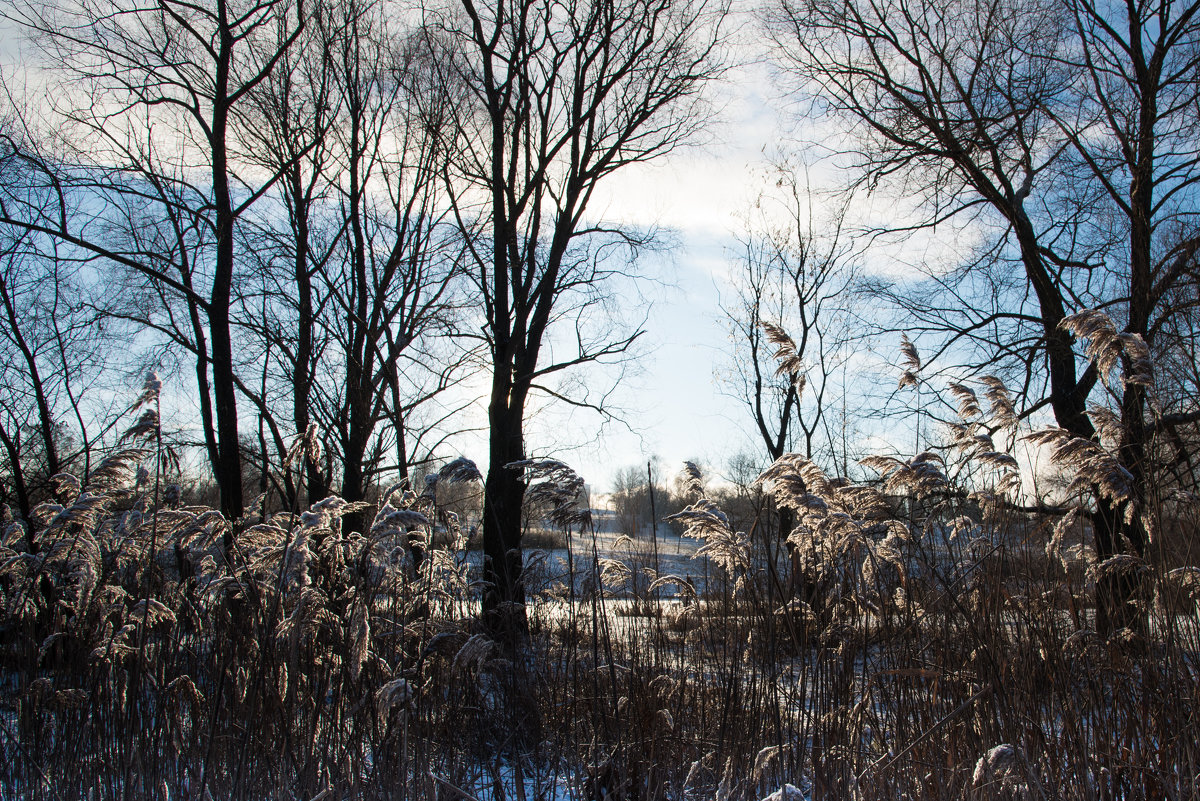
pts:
[922, 636]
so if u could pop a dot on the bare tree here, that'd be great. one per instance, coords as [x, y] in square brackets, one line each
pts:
[52, 345]
[329, 134]
[23, 352]
[153, 93]
[555, 98]
[1139, 68]
[949, 99]
[792, 294]
[792, 287]
[289, 133]
[362, 326]
[1068, 132]
[392, 283]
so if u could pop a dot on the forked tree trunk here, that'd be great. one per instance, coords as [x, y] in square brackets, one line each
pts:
[1115, 594]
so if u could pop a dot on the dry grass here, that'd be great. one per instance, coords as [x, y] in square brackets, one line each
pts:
[138, 654]
[946, 653]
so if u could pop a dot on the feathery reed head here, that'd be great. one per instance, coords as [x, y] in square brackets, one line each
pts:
[923, 475]
[968, 403]
[1106, 347]
[705, 521]
[910, 363]
[1000, 766]
[458, 471]
[1090, 464]
[558, 486]
[790, 363]
[693, 479]
[151, 390]
[1002, 411]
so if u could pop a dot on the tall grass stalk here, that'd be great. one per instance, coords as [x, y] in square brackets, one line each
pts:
[935, 641]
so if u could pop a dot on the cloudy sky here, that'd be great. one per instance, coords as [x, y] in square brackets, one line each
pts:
[674, 401]
[673, 404]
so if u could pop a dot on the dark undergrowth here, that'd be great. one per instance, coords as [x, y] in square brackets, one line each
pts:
[906, 639]
[147, 654]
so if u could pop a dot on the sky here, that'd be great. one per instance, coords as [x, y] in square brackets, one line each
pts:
[675, 403]
[674, 406]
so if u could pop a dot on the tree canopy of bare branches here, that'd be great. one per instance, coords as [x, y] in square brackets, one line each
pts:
[264, 185]
[552, 99]
[1066, 129]
[155, 92]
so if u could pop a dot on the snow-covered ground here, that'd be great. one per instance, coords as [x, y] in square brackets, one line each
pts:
[626, 566]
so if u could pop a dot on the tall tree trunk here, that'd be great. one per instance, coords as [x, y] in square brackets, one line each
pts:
[1068, 401]
[359, 358]
[229, 469]
[504, 493]
[302, 377]
[1118, 592]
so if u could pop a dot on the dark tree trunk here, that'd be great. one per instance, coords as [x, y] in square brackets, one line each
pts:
[1068, 401]
[353, 476]
[504, 493]
[302, 378]
[229, 468]
[45, 416]
[13, 449]
[1117, 593]
[359, 361]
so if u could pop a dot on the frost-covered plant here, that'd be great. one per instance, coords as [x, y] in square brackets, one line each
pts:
[705, 521]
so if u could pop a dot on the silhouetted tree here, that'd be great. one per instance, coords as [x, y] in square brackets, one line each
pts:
[555, 97]
[151, 95]
[1068, 130]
